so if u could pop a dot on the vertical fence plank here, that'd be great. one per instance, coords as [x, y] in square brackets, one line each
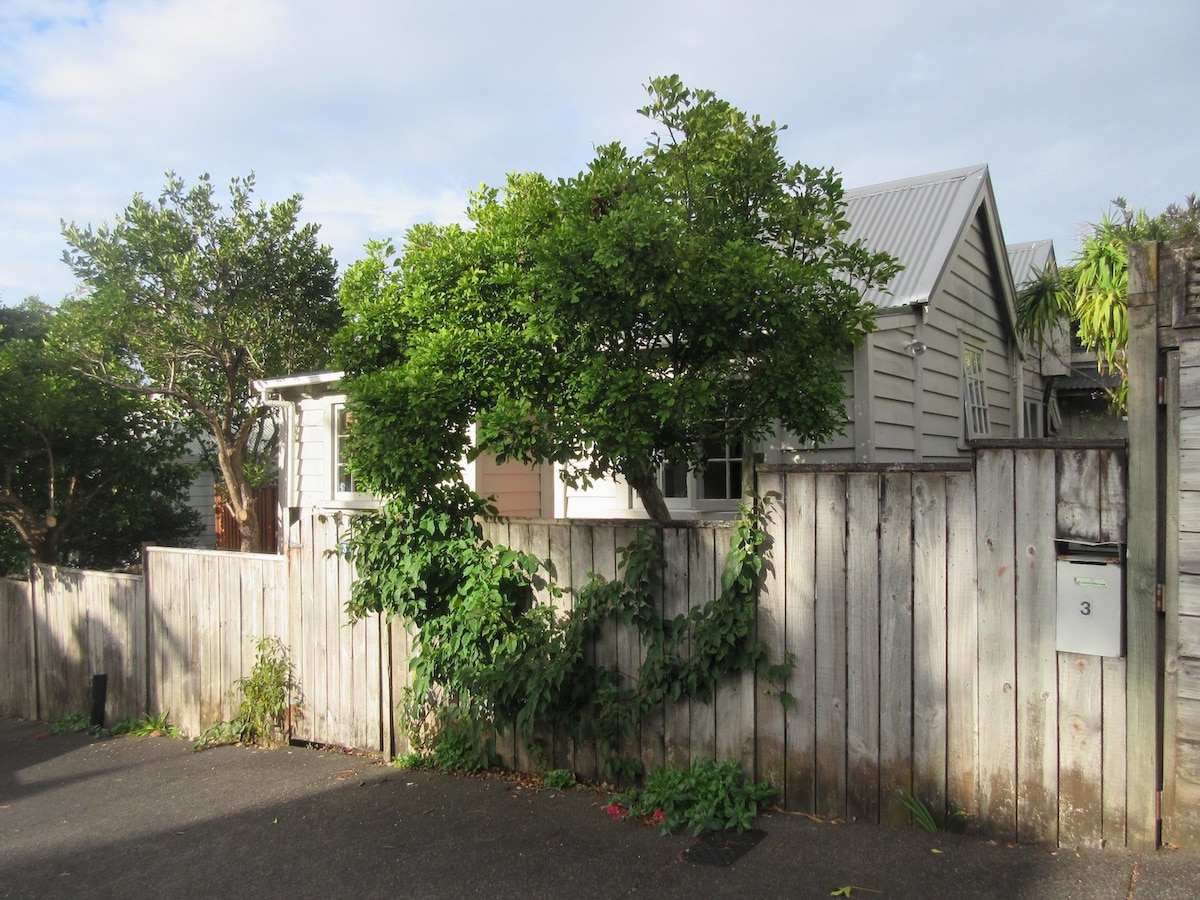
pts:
[629, 658]
[770, 739]
[1081, 756]
[677, 722]
[1113, 750]
[962, 646]
[830, 629]
[702, 587]
[653, 719]
[604, 562]
[862, 639]
[929, 635]
[581, 566]
[895, 645]
[735, 692]
[800, 520]
[997, 641]
[1037, 663]
[1077, 508]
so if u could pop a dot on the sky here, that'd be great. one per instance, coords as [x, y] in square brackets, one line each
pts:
[385, 113]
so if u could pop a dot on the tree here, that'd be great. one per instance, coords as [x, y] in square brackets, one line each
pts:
[200, 303]
[1093, 292]
[89, 472]
[615, 321]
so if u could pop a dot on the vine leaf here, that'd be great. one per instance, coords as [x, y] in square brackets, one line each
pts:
[845, 890]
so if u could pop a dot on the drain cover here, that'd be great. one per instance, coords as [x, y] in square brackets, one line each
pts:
[723, 848]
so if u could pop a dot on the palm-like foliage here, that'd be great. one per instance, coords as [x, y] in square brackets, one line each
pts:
[1094, 290]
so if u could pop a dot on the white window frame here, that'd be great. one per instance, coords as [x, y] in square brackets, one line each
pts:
[694, 499]
[977, 415]
[1032, 410]
[337, 468]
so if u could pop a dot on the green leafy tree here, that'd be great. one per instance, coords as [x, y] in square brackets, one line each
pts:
[89, 472]
[198, 302]
[1093, 291]
[613, 321]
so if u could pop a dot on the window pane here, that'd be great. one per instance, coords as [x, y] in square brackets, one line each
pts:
[675, 479]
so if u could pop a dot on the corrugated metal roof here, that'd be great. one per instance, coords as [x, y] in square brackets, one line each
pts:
[917, 220]
[1029, 260]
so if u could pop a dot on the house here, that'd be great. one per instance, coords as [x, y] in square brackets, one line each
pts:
[944, 366]
[312, 471]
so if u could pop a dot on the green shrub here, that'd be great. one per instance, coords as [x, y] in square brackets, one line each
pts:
[710, 796]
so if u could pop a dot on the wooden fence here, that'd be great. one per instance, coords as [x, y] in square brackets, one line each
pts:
[918, 603]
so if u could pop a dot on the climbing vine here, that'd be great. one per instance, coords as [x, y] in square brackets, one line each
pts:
[490, 659]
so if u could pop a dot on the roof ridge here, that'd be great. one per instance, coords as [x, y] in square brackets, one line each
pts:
[948, 175]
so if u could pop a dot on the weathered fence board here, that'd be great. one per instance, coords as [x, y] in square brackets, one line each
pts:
[830, 650]
[997, 639]
[895, 645]
[800, 512]
[18, 674]
[929, 640]
[1037, 666]
[769, 717]
[862, 634]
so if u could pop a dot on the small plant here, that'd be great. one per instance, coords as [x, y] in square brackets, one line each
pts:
[154, 725]
[72, 723]
[560, 779]
[923, 815]
[710, 796]
[266, 701]
[413, 759]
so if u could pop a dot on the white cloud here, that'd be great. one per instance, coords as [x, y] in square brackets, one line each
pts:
[384, 113]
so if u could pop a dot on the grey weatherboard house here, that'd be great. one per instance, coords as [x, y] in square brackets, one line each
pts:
[945, 365]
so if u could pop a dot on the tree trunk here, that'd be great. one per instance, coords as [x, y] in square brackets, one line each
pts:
[645, 483]
[241, 497]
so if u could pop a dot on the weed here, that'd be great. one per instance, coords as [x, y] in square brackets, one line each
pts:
[413, 759]
[72, 723]
[153, 725]
[266, 699]
[560, 779]
[923, 815]
[710, 796]
[76, 723]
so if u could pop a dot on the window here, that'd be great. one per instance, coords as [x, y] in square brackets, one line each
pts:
[718, 482]
[343, 478]
[978, 418]
[1033, 418]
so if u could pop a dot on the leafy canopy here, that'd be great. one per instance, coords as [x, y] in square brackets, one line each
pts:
[87, 473]
[197, 301]
[1093, 291]
[615, 320]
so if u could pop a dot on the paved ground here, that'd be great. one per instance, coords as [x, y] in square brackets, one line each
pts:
[129, 816]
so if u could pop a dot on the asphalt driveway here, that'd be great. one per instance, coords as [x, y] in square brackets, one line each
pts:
[82, 817]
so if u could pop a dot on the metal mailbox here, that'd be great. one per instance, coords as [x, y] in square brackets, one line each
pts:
[1091, 607]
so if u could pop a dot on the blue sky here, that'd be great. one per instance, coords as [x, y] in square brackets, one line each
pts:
[383, 113]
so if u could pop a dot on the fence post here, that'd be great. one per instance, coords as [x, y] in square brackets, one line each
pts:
[1141, 627]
